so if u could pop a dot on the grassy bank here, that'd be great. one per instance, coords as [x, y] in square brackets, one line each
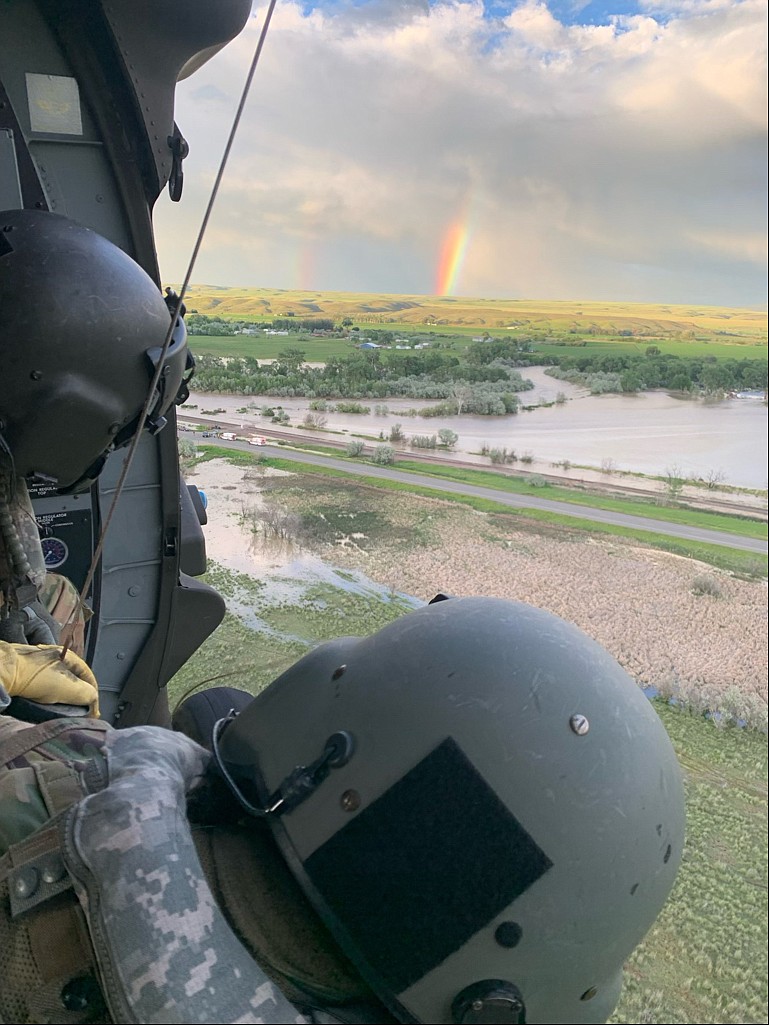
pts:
[578, 495]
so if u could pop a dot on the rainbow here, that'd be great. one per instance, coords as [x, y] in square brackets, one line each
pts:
[452, 257]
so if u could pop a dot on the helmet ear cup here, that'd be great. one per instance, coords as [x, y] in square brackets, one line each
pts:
[197, 715]
[491, 1001]
[83, 327]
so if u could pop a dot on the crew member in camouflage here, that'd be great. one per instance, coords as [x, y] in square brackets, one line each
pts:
[108, 806]
[472, 816]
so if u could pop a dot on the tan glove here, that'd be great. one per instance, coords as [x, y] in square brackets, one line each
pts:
[37, 672]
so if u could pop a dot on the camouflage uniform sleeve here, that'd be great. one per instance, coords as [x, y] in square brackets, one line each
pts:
[165, 951]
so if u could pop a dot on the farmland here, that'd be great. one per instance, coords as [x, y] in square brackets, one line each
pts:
[551, 330]
[728, 326]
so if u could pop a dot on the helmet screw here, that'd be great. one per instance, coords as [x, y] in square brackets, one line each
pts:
[350, 800]
[36, 375]
[589, 993]
[114, 428]
[579, 724]
[477, 1005]
[508, 934]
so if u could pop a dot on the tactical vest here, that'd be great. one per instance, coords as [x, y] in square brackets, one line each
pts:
[47, 965]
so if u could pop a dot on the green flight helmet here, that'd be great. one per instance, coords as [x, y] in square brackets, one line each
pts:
[81, 330]
[479, 802]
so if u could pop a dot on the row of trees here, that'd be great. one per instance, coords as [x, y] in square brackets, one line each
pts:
[202, 324]
[618, 372]
[370, 374]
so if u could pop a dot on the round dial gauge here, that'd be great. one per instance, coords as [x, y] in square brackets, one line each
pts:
[55, 552]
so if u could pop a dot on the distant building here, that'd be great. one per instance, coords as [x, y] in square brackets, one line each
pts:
[368, 345]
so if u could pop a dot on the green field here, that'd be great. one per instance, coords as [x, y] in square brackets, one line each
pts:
[317, 350]
[320, 350]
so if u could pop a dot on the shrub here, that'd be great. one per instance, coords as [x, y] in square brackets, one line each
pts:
[272, 519]
[527, 457]
[396, 433]
[501, 455]
[442, 409]
[448, 438]
[188, 450]
[315, 421]
[352, 407]
[384, 455]
[354, 449]
[319, 405]
[537, 480]
[705, 583]
[424, 441]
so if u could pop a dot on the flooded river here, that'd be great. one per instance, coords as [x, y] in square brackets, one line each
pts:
[648, 433]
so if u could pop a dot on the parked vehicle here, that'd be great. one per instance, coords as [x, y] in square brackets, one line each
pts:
[228, 436]
[257, 441]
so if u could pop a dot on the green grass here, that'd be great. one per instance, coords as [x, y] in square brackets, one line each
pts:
[731, 559]
[320, 350]
[705, 958]
[317, 350]
[695, 347]
[743, 526]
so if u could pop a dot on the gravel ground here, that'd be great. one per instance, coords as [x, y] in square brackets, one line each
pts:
[644, 606]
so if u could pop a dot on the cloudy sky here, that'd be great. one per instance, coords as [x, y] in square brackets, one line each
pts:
[610, 149]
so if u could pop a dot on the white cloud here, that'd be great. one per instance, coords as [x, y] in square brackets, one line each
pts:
[595, 161]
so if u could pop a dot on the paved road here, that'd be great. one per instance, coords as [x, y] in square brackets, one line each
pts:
[584, 512]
